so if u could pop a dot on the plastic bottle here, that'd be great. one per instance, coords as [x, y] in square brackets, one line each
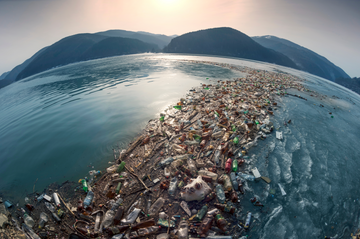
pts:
[201, 213]
[119, 214]
[84, 184]
[228, 165]
[148, 230]
[236, 140]
[28, 229]
[43, 219]
[234, 167]
[183, 230]
[118, 188]
[226, 136]
[205, 225]
[220, 193]
[116, 229]
[166, 161]
[217, 155]
[234, 181]
[52, 210]
[107, 219]
[88, 199]
[121, 167]
[247, 177]
[56, 199]
[225, 208]
[221, 223]
[172, 187]
[154, 209]
[247, 221]
[192, 166]
[214, 176]
[227, 183]
[27, 219]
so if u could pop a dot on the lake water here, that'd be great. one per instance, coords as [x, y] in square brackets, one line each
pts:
[61, 123]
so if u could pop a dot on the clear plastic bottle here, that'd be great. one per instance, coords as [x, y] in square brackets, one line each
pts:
[217, 155]
[43, 219]
[88, 199]
[234, 181]
[154, 209]
[27, 219]
[130, 219]
[28, 229]
[246, 176]
[214, 176]
[183, 230]
[220, 193]
[172, 187]
[108, 219]
[52, 210]
[192, 166]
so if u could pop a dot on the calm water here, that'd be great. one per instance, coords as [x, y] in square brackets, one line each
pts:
[60, 124]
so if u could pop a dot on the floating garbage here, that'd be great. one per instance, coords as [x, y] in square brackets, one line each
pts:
[192, 158]
[282, 190]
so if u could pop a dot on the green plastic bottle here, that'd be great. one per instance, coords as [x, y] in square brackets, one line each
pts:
[234, 167]
[121, 167]
[197, 137]
[84, 184]
[178, 107]
[162, 118]
[201, 213]
[236, 140]
[233, 128]
[118, 188]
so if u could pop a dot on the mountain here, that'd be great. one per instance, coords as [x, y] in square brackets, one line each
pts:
[158, 39]
[3, 75]
[83, 47]
[305, 59]
[226, 41]
[11, 77]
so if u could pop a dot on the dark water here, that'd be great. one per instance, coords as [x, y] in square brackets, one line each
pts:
[60, 124]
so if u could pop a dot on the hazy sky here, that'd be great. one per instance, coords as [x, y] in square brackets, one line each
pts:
[331, 28]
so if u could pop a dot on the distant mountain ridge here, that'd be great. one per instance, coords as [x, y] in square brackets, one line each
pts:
[305, 59]
[158, 39]
[225, 41]
[222, 41]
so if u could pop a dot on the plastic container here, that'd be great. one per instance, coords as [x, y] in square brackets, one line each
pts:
[154, 209]
[245, 176]
[172, 187]
[212, 175]
[248, 220]
[166, 172]
[130, 219]
[217, 155]
[121, 167]
[107, 219]
[220, 193]
[227, 182]
[27, 219]
[192, 166]
[234, 182]
[183, 230]
[28, 229]
[56, 199]
[166, 161]
[228, 165]
[201, 213]
[88, 199]
[43, 219]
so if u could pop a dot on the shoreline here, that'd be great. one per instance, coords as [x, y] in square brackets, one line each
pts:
[151, 149]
